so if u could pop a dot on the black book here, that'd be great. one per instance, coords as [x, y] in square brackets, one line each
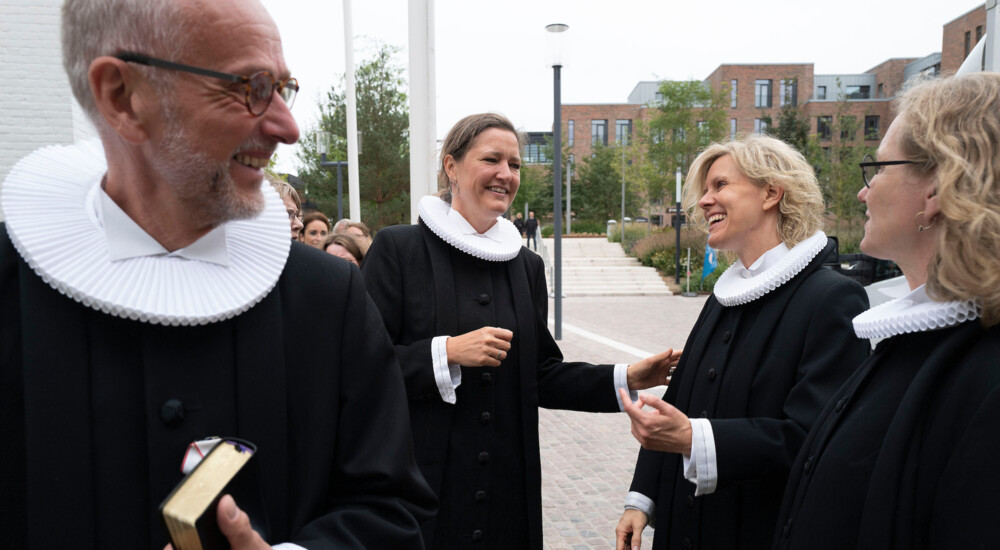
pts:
[189, 511]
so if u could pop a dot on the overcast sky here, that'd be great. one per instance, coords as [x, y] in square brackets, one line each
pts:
[491, 54]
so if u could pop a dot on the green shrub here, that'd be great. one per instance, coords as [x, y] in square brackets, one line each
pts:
[547, 231]
[589, 227]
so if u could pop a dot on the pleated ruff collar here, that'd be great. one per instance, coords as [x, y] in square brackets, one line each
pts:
[501, 243]
[915, 312]
[49, 201]
[733, 290]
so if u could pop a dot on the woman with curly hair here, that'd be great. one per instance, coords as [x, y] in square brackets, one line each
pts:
[904, 456]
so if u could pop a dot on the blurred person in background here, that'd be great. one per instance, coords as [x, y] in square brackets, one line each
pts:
[344, 246]
[316, 226]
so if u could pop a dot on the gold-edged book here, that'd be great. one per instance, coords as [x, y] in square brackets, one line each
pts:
[189, 510]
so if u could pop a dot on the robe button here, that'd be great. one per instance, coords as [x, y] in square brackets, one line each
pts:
[690, 501]
[840, 404]
[704, 414]
[484, 299]
[711, 375]
[725, 337]
[172, 413]
[480, 496]
[687, 543]
[487, 378]
[807, 468]
[477, 536]
[485, 418]
[484, 457]
[787, 529]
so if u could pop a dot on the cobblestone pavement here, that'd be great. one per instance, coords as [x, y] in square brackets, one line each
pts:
[587, 459]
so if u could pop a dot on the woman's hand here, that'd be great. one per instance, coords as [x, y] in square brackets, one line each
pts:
[653, 371]
[628, 534]
[485, 347]
[663, 429]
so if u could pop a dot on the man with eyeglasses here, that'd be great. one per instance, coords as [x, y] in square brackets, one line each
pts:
[169, 307]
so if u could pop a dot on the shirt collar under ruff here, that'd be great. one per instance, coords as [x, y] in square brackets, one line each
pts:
[915, 312]
[61, 234]
[739, 285]
[500, 243]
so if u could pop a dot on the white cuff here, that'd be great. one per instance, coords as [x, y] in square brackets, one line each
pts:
[621, 381]
[702, 467]
[287, 546]
[448, 377]
[639, 501]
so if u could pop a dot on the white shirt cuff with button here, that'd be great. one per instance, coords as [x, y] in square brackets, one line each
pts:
[642, 503]
[702, 467]
[448, 376]
[621, 381]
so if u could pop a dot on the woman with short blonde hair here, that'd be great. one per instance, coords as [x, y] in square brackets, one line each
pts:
[772, 344]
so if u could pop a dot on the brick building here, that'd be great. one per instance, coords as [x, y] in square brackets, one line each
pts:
[757, 92]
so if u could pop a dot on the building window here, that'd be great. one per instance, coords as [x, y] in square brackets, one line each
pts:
[871, 127]
[979, 33]
[534, 153]
[968, 43]
[820, 92]
[762, 93]
[598, 132]
[732, 128]
[569, 133]
[858, 92]
[732, 93]
[759, 126]
[623, 131]
[659, 97]
[881, 92]
[789, 92]
[823, 125]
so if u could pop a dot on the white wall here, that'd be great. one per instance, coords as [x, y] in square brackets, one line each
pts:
[36, 104]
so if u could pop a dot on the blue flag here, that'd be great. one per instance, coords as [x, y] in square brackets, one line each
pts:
[710, 261]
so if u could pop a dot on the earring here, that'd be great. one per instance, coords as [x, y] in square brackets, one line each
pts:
[921, 228]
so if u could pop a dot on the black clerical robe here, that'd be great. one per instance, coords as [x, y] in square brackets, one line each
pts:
[96, 413]
[424, 288]
[905, 454]
[761, 373]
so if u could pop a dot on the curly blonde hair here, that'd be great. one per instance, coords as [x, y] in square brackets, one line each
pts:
[762, 160]
[951, 127]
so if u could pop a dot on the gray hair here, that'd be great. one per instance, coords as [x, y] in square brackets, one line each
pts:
[93, 28]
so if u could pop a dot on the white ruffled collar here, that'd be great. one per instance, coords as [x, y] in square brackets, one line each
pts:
[915, 312]
[48, 201]
[500, 243]
[732, 289]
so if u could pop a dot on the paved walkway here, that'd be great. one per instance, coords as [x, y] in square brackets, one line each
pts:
[587, 459]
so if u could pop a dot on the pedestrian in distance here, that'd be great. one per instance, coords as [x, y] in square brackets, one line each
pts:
[531, 229]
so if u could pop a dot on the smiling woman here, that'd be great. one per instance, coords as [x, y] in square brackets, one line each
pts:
[771, 345]
[465, 304]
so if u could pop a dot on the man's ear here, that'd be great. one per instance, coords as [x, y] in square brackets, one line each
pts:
[115, 88]
[772, 196]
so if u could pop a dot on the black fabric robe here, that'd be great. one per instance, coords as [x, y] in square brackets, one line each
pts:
[92, 446]
[411, 277]
[927, 476]
[761, 373]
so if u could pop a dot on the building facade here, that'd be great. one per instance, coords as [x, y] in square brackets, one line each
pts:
[757, 92]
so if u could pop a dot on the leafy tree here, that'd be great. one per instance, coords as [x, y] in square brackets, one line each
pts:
[836, 162]
[690, 116]
[597, 191]
[792, 128]
[384, 164]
